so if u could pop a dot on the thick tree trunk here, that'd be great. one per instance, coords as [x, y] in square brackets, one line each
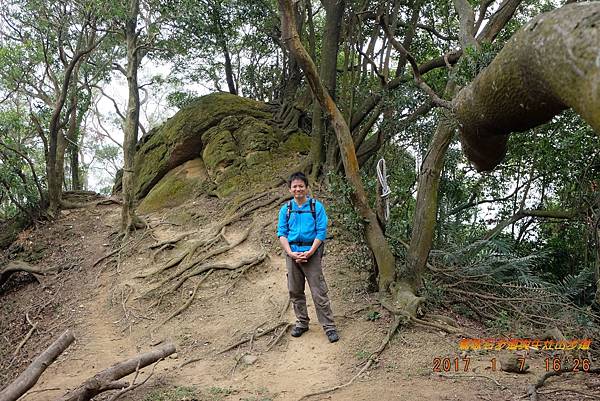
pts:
[551, 64]
[55, 171]
[128, 218]
[76, 183]
[316, 141]
[426, 206]
[334, 11]
[56, 145]
[54, 189]
[73, 144]
[373, 233]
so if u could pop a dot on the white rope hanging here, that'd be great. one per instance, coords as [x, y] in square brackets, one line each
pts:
[385, 189]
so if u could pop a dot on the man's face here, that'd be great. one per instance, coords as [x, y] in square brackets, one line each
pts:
[298, 189]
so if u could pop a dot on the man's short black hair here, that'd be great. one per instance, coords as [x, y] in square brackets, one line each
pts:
[298, 175]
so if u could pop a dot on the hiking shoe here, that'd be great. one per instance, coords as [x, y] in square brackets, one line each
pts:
[332, 336]
[298, 331]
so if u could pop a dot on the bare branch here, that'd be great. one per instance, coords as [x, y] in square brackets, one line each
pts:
[418, 79]
[482, 11]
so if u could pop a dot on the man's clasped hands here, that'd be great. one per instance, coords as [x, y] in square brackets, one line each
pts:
[301, 257]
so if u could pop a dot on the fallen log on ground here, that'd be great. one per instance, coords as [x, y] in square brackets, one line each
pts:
[106, 379]
[30, 376]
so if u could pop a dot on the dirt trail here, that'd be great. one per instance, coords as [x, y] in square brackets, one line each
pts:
[111, 323]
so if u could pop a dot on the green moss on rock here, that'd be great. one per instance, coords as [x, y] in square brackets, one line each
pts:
[179, 185]
[220, 150]
[297, 142]
[180, 138]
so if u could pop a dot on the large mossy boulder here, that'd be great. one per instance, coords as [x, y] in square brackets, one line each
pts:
[219, 144]
[187, 134]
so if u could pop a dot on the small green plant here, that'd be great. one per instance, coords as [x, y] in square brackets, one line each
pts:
[258, 398]
[262, 394]
[501, 324]
[373, 315]
[175, 394]
[217, 393]
[362, 354]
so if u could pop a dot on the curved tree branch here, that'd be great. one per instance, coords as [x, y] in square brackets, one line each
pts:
[549, 65]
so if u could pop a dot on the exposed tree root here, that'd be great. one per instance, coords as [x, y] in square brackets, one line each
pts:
[248, 263]
[186, 257]
[172, 241]
[255, 261]
[109, 201]
[159, 250]
[187, 254]
[191, 268]
[403, 302]
[285, 307]
[372, 359]
[252, 337]
[439, 326]
[273, 199]
[20, 266]
[248, 200]
[532, 388]
[108, 255]
[188, 302]
[188, 270]
[64, 204]
[570, 390]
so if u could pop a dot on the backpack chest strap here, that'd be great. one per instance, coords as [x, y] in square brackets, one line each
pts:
[312, 211]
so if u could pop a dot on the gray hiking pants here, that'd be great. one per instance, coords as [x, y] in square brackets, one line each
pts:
[313, 273]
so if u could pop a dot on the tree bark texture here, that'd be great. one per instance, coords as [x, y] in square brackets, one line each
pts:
[228, 69]
[374, 235]
[334, 11]
[425, 215]
[73, 144]
[30, 376]
[551, 64]
[132, 117]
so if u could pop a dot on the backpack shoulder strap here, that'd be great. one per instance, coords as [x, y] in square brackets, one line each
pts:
[289, 211]
[313, 210]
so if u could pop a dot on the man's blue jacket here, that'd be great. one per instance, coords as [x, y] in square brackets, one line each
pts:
[301, 227]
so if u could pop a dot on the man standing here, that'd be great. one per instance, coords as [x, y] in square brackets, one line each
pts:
[301, 230]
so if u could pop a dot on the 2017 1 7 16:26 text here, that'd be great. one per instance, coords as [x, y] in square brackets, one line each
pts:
[456, 364]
